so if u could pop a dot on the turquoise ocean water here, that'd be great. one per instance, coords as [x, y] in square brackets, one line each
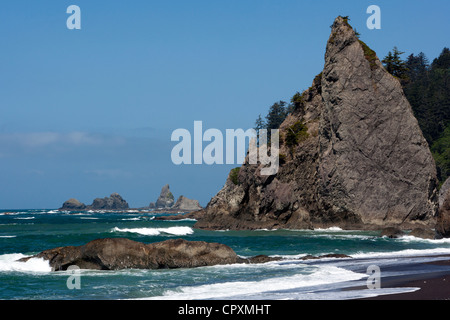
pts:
[27, 232]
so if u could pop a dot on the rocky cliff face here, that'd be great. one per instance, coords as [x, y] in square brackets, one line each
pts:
[351, 155]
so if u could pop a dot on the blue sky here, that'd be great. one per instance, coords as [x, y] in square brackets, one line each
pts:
[85, 113]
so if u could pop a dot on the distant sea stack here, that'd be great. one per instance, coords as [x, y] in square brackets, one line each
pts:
[165, 199]
[166, 202]
[185, 204]
[351, 155]
[113, 202]
[73, 205]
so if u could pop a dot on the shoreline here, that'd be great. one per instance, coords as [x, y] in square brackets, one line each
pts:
[432, 285]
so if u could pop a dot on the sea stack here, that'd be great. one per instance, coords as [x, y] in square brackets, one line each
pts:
[73, 205]
[351, 155]
[113, 202]
[186, 204]
[165, 199]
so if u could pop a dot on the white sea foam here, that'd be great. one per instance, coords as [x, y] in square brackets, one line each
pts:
[181, 220]
[329, 229]
[178, 231]
[403, 253]
[8, 236]
[25, 218]
[408, 238]
[323, 275]
[8, 262]
[131, 219]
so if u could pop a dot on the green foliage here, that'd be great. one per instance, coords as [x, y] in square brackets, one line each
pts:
[295, 134]
[297, 101]
[369, 54]
[395, 65]
[427, 88]
[234, 175]
[275, 117]
[277, 114]
[441, 154]
[346, 20]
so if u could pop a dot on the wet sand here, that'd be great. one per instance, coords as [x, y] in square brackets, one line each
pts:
[433, 286]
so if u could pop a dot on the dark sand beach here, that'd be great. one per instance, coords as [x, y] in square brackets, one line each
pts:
[432, 285]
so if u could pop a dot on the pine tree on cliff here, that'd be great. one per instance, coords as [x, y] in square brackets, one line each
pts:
[394, 64]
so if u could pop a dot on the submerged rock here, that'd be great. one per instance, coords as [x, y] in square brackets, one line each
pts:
[424, 233]
[352, 155]
[392, 232]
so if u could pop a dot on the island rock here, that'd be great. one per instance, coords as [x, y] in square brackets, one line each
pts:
[185, 204]
[114, 202]
[73, 205]
[352, 155]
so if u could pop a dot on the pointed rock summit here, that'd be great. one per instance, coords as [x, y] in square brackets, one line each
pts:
[351, 155]
[165, 199]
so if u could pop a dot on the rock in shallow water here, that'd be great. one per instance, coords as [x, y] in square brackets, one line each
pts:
[121, 253]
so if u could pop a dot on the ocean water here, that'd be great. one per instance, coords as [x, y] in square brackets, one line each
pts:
[27, 232]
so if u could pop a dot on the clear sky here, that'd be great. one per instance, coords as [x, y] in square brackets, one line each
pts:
[85, 113]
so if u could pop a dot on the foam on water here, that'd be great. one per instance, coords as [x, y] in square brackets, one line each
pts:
[178, 231]
[403, 253]
[8, 262]
[322, 276]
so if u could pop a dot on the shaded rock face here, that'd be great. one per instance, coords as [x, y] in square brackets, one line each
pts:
[443, 219]
[121, 253]
[73, 205]
[363, 163]
[114, 202]
[185, 204]
[165, 199]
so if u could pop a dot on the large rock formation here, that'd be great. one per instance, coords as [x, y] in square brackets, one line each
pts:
[443, 219]
[113, 202]
[165, 199]
[185, 204]
[121, 253]
[73, 205]
[351, 155]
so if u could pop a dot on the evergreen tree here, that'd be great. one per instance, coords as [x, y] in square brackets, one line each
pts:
[394, 64]
[428, 92]
[277, 114]
[259, 124]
